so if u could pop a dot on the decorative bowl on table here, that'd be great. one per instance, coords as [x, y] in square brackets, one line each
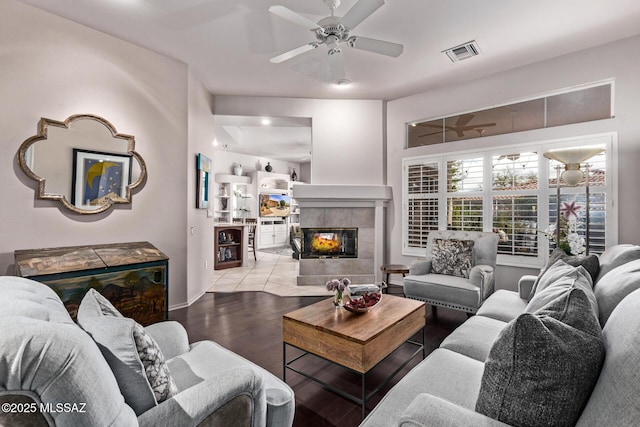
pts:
[363, 298]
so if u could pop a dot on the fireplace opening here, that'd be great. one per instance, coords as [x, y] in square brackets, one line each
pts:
[329, 243]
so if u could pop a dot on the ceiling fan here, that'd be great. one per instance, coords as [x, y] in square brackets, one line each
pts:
[333, 31]
[461, 126]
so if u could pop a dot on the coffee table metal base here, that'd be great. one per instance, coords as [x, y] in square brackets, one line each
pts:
[364, 397]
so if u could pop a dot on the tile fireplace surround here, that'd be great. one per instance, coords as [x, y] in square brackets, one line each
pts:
[337, 206]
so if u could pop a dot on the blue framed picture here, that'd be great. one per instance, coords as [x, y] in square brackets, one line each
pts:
[203, 169]
[98, 177]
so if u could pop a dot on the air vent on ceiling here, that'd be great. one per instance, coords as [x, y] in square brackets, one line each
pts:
[463, 51]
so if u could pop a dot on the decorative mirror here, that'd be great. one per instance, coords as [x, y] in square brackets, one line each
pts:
[82, 162]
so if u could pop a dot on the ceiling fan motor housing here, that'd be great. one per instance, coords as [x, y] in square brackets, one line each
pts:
[332, 27]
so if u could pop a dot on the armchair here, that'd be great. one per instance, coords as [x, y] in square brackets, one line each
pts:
[46, 360]
[453, 291]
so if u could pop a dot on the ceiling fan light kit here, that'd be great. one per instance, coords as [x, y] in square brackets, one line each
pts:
[332, 31]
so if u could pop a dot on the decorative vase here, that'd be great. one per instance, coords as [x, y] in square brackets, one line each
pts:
[237, 169]
[268, 168]
[294, 175]
[337, 299]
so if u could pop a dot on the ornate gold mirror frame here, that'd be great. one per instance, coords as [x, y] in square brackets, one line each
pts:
[27, 152]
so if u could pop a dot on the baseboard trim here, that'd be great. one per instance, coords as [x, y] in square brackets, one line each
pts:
[188, 303]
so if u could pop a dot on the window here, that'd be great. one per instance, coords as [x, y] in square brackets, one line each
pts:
[511, 191]
[464, 194]
[422, 205]
[514, 199]
[576, 105]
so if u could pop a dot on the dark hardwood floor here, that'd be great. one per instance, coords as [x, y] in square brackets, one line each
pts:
[250, 324]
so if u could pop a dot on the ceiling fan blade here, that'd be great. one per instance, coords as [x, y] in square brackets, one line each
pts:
[292, 16]
[293, 52]
[360, 11]
[337, 66]
[464, 119]
[376, 46]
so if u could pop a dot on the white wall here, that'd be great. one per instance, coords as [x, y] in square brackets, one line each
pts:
[304, 174]
[200, 244]
[224, 162]
[346, 134]
[52, 67]
[619, 60]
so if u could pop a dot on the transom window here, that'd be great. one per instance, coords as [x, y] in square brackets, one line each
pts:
[576, 105]
[511, 191]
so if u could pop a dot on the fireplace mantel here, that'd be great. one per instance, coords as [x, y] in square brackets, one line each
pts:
[360, 206]
[341, 195]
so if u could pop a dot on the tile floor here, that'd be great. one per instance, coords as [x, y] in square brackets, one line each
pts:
[276, 274]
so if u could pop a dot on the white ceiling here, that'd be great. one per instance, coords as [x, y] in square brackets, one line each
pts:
[282, 138]
[228, 43]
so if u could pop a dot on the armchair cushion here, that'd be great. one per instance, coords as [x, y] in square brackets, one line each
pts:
[542, 368]
[135, 359]
[452, 257]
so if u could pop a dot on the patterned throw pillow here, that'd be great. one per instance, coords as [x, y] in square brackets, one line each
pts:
[452, 257]
[157, 371]
[543, 366]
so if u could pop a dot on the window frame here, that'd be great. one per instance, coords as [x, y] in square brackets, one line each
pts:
[608, 140]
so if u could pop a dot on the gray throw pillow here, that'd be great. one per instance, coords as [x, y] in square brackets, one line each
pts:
[557, 280]
[452, 257]
[543, 366]
[134, 357]
[590, 263]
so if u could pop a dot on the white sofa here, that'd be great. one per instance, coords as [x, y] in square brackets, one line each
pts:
[444, 389]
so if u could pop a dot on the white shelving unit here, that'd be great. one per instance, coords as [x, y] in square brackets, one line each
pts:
[271, 231]
[233, 198]
[294, 216]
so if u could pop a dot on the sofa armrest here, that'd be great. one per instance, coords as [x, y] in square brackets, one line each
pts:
[428, 410]
[192, 406]
[420, 267]
[171, 337]
[525, 285]
[482, 276]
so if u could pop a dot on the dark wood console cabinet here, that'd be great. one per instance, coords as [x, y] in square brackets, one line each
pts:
[228, 246]
[133, 276]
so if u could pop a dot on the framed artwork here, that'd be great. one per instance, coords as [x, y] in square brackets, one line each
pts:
[203, 168]
[98, 176]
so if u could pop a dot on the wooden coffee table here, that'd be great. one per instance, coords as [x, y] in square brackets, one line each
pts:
[356, 341]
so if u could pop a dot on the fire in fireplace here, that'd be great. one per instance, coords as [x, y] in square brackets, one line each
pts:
[329, 243]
